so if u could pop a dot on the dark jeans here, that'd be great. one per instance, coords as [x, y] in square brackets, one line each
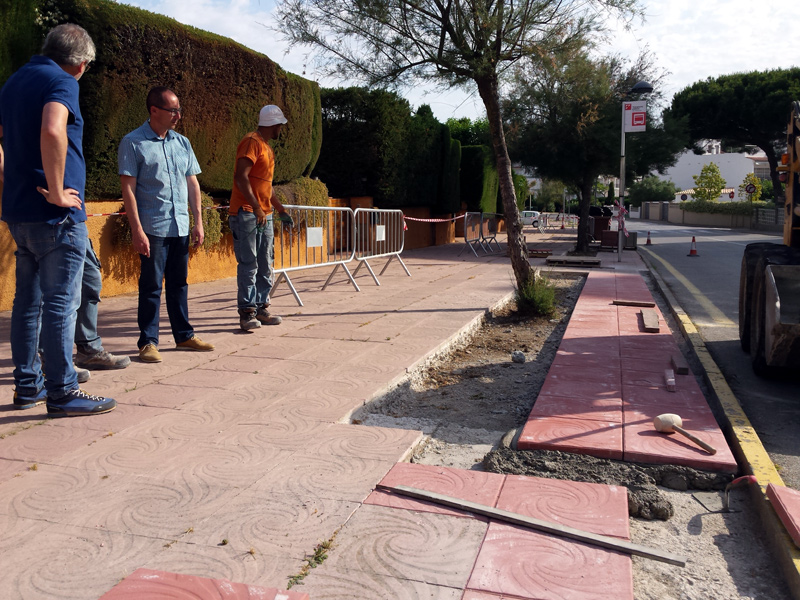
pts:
[49, 265]
[86, 337]
[168, 262]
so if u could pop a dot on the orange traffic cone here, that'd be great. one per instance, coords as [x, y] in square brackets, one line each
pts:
[649, 243]
[693, 251]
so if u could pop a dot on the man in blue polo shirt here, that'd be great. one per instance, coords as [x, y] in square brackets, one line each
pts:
[158, 173]
[43, 204]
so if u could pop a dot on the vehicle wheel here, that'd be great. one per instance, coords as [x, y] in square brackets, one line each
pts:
[780, 255]
[536, 224]
[752, 253]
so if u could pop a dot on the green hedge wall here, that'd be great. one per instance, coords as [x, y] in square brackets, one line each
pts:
[450, 187]
[479, 179]
[221, 84]
[724, 208]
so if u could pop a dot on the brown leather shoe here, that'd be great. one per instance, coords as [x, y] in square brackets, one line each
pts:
[149, 353]
[195, 343]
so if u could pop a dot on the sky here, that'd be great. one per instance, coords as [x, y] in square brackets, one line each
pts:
[691, 40]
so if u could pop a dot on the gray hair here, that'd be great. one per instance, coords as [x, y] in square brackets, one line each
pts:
[68, 44]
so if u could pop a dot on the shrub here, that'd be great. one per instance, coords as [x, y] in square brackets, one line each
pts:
[537, 297]
[724, 208]
[479, 179]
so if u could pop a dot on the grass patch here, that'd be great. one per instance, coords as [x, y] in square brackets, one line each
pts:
[537, 297]
[316, 558]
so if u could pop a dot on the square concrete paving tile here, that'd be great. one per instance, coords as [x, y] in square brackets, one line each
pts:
[786, 503]
[587, 359]
[380, 443]
[237, 402]
[222, 562]
[165, 396]
[146, 583]
[10, 468]
[596, 438]
[589, 390]
[642, 443]
[559, 373]
[209, 423]
[66, 562]
[323, 476]
[528, 564]
[237, 363]
[607, 346]
[434, 549]
[474, 486]
[275, 348]
[601, 509]
[346, 584]
[273, 524]
[122, 417]
[45, 442]
[338, 351]
[596, 409]
[318, 402]
[688, 396]
[266, 429]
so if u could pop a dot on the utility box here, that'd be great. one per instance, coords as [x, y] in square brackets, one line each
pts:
[631, 240]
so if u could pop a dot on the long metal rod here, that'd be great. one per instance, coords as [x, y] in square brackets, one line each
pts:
[540, 525]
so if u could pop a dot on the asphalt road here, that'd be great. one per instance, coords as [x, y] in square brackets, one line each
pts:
[707, 287]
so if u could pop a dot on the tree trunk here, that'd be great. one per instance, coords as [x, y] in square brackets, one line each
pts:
[517, 250]
[777, 188]
[582, 245]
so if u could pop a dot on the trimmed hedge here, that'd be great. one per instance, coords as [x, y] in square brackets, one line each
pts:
[303, 192]
[221, 84]
[724, 208]
[450, 187]
[480, 181]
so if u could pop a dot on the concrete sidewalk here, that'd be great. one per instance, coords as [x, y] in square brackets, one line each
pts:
[236, 464]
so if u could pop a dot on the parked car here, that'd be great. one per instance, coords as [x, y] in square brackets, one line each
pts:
[530, 217]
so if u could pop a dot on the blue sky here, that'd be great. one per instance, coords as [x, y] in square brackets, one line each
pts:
[691, 39]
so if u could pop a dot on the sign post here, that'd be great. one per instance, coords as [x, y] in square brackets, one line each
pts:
[634, 119]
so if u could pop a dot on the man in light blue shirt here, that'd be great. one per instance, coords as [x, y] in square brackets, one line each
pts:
[158, 172]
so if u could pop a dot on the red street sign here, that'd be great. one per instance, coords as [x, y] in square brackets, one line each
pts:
[750, 189]
[731, 195]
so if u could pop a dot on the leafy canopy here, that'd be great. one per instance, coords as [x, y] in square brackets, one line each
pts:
[709, 184]
[651, 189]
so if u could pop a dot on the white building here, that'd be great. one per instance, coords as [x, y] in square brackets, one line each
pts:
[734, 167]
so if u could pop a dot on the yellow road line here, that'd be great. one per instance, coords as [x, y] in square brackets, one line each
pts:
[716, 314]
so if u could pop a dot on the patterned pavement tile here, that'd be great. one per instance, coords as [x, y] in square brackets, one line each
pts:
[379, 443]
[275, 525]
[277, 348]
[241, 364]
[685, 396]
[267, 429]
[146, 583]
[589, 390]
[62, 561]
[156, 394]
[223, 562]
[593, 374]
[596, 438]
[529, 564]
[122, 417]
[474, 486]
[347, 584]
[595, 409]
[46, 441]
[328, 477]
[601, 509]
[187, 424]
[434, 549]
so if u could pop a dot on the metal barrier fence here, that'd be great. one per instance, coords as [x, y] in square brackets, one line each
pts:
[472, 232]
[768, 216]
[380, 233]
[320, 236]
[489, 228]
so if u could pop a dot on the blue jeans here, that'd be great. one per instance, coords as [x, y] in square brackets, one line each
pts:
[50, 262]
[86, 337]
[255, 252]
[168, 262]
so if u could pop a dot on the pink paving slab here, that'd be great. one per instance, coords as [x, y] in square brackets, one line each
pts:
[553, 569]
[642, 443]
[596, 438]
[686, 396]
[601, 509]
[475, 486]
[609, 347]
[146, 583]
[584, 359]
[598, 409]
[589, 373]
[786, 503]
[580, 389]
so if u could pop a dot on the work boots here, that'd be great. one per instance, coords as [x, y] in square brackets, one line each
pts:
[248, 320]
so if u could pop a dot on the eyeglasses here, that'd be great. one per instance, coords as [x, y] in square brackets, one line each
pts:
[174, 111]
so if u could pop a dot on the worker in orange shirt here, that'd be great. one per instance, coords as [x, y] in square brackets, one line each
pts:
[250, 218]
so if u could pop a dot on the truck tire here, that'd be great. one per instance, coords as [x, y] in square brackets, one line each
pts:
[752, 253]
[780, 255]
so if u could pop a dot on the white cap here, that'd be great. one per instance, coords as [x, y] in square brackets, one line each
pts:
[270, 115]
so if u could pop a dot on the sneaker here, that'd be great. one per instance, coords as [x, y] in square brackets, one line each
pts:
[247, 320]
[83, 374]
[195, 343]
[101, 360]
[149, 353]
[22, 402]
[78, 403]
[265, 318]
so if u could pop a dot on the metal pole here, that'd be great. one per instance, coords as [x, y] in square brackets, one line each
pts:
[621, 187]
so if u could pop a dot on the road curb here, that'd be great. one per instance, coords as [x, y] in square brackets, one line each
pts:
[742, 437]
